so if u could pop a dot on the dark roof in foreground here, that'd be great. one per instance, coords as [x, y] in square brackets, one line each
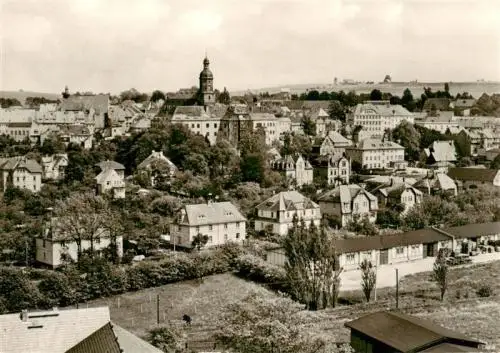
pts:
[407, 333]
[101, 341]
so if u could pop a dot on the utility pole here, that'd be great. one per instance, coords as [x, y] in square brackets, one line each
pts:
[376, 275]
[397, 290]
[157, 309]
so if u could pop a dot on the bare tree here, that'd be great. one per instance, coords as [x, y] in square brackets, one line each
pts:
[368, 278]
[440, 273]
[81, 217]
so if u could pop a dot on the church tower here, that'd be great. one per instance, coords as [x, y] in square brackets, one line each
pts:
[207, 95]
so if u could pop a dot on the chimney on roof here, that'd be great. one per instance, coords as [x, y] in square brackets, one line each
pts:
[24, 315]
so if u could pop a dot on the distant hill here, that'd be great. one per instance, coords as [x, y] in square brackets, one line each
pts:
[22, 95]
[395, 88]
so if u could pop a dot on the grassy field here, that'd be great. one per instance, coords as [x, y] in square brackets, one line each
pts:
[462, 308]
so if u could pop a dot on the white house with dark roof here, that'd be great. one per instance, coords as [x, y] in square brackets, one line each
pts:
[53, 244]
[151, 163]
[20, 172]
[54, 166]
[377, 154]
[277, 213]
[333, 143]
[110, 182]
[295, 168]
[117, 167]
[222, 222]
[349, 202]
[398, 193]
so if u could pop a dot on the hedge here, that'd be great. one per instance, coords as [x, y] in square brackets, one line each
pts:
[69, 286]
[256, 269]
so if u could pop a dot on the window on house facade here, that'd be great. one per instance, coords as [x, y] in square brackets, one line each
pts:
[225, 225]
[237, 235]
[210, 227]
[237, 224]
[198, 126]
[400, 251]
[225, 237]
[98, 240]
[197, 229]
[63, 244]
[208, 125]
[350, 258]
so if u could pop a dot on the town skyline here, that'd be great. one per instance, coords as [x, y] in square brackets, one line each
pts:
[160, 44]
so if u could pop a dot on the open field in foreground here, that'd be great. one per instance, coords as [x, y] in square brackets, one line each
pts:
[462, 309]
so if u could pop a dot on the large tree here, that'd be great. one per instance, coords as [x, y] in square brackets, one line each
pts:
[337, 111]
[309, 126]
[376, 95]
[79, 218]
[311, 266]
[406, 135]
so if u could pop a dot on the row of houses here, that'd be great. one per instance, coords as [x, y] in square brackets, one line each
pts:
[404, 247]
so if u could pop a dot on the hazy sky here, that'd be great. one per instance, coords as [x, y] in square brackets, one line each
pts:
[113, 45]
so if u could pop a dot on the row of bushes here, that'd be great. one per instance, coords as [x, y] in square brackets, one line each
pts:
[73, 285]
[254, 268]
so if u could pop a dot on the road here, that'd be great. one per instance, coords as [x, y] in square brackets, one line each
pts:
[386, 274]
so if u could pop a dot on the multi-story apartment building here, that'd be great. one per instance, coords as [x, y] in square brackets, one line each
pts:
[295, 168]
[377, 154]
[221, 222]
[20, 172]
[333, 169]
[377, 116]
[199, 120]
[276, 214]
[349, 202]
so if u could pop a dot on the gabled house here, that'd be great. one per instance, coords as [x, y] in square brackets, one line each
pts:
[438, 184]
[221, 222]
[396, 332]
[117, 167]
[78, 134]
[277, 213]
[471, 177]
[54, 244]
[295, 168]
[333, 169]
[157, 165]
[319, 116]
[333, 143]
[109, 181]
[20, 172]
[83, 330]
[349, 202]
[398, 193]
[54, 166]
[441, 154]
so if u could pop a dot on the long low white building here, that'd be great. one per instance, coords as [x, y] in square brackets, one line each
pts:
[404, 247]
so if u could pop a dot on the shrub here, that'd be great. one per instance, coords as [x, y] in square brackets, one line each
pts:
[484, 291]
[256, 269]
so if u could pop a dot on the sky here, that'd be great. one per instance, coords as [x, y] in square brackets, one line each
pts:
[114, 45]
